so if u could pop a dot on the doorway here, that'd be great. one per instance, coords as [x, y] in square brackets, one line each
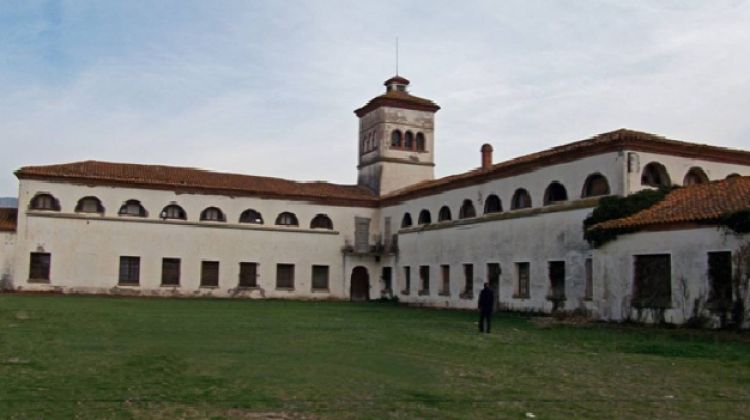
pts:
[493, 278]
[360, 285]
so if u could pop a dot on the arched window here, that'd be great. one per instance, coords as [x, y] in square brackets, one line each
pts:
[89, 205]
[595, 185]
[251, 216]
[321, 221]
[444, 214]
[424, 217]
[409, 140]
[467, 210]
[406, 221]
[555, 193]
[132, 208]
[420, 142]
[730, 176]
[44, 201]
[396, 139]
[287, 219]
[655, 175]
[521, 200]
[694, 176]
[213, 214]
[493, 204]
[173, 211]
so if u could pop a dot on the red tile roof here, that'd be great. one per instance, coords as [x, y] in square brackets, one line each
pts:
[191, 179]
[697, 203]
[398, 99]
[8, 218]
[617, 140]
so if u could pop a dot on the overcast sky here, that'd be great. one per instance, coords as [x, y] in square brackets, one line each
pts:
[268, 88]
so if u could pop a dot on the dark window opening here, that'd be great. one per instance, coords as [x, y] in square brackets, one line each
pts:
[321, 221]
[248, 274]
[521, 200]
[655, 175]
[320, 277]
[213, 214]
[420, 142]
[595, 185]
[170, 271]
[589, 290]
[287, 219]
[130, 268]
[89, 205]
[653, 281]
[209, 274]
[396, 139]
[251, 216]
[493, 204]
[39, 267]
[445, 274]
[444, 214]
[407, 281]
[720, 278]
[424, 217]
[467, 210]
[557, 280]
[522, 278]
[468, 279]
[406, 221]
[132, 208]
[555, 193]
[173, 211]
[386, 275]
[44, 202]
[424, 279]
[695, 176]
[408, 140]
[285, 276]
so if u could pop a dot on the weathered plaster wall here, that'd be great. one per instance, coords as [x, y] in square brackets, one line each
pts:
[7, 256]
[688, 248]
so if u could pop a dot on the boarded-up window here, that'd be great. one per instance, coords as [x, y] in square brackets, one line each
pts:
[589, 290]
[320, 277]
[720, 276]
[209, 273]
[39, 267]
[407, 280]
[653, 281]
[170, 271]
[522, 280]
[445, 277]
[468, 279]
[248, 274]
[424, 277]
[130, 269]
[557, 280]
[361, 234]
[387, 278]
[285, 276]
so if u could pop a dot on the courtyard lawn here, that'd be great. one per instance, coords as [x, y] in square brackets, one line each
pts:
[103, 357]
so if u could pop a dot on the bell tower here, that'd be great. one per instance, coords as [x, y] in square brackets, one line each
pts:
[396, 139]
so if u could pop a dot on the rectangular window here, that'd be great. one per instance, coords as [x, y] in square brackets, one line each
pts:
[653, 281]
[39, 267]
[170, 272]
[556, 280]
[386, 276]
[361, 234]
[248, 274]
[589, 291]
[130, 269]
[468, 279]
[424, 279]
[407, 280]
[522, 280]
[209, 274]
[320, 277]
[720, 276]
[445, 277]
[285, 276]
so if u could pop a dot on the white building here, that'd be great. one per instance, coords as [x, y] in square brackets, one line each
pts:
[118, 228]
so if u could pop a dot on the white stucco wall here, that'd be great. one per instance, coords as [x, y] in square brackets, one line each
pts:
[7, 256]
[85, 248]
[688, 248]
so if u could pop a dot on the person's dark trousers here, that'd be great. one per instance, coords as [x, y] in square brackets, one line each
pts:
[484, 317]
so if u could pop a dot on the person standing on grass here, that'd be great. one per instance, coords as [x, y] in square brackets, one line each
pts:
[486, 303]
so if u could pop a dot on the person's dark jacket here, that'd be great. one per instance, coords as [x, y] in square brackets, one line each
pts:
[486, 300]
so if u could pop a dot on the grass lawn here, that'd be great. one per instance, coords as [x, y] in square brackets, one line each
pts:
[100, 357]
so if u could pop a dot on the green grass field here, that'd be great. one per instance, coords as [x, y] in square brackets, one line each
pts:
[99, 357]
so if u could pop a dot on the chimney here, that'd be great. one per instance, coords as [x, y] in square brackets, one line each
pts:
[486, 156]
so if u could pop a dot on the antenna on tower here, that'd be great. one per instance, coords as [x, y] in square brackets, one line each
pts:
[396, 56]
